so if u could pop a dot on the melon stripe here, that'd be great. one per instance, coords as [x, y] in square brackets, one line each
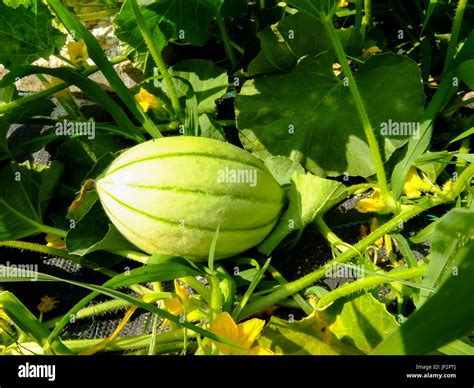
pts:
[176, 224]
[139, 237]
[197, 192]
[191, 154]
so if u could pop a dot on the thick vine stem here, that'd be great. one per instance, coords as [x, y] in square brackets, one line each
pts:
[366, 283]
[225, 38]
[406, 213]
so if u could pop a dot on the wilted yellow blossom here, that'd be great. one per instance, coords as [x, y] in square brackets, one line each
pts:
[47, 304]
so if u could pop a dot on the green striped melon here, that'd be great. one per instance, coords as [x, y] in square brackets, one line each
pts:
[169, 195]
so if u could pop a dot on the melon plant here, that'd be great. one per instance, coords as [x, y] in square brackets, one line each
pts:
[169, 195]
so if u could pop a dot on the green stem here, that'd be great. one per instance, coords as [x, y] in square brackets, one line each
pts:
[132, 255]
[367, 283]
[253, 284]
[155, 53]
[301, 302]
[367, 18]
[199, 287]
[311, 278]
[108, 306]
[455, 33]
[364, 117]
[53, 89]
[119, 344]
[407, 212]
[225, 38]
[332, 238]
[97, 15]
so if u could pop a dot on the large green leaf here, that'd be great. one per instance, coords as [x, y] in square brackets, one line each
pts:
[450, 233]
[309, 196]
[26, 35]
[209, 82]
[444, 317]
[25, 193]
[362, 321]
[292, 38]
[350, 326]
[309, 114]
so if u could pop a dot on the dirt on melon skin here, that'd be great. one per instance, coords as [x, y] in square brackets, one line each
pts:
[167, 196]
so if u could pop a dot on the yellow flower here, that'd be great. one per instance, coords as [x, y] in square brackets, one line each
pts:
[47, 304]
[414, 184]
[54, 241]
[373, 204]
[342, 3]
[182, 304]
[243, 334]
[176, 305]
[77, 52]
[145, 99]
[447, 187]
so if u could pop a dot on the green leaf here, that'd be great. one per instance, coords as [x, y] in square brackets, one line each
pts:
[316, 8]
[209, 82]
[26, 35]
[309, 115]
[457, 348]
[451, 233]
[350, 326]
[26, 3]
[209, 127]
[309, 197]
[283, 169]
[466, 71]
[292, 38]
[93, 232]
[133, 45]
[25, 193]
[362, 321]
[167, 20]
[232, 8]
[444, 317]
